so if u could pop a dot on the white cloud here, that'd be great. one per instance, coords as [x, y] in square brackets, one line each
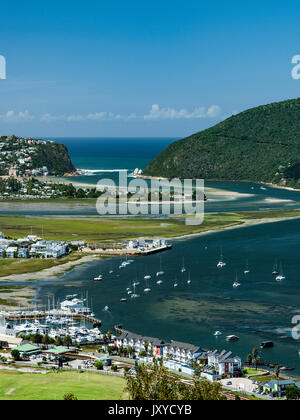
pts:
[155, 113]
[16, 116]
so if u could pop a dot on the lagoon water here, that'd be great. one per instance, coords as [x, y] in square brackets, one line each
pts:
[261, 309]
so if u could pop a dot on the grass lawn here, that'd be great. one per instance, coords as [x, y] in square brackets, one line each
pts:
[53, 386]
[251, 372]
[116, 229]
[266, 378]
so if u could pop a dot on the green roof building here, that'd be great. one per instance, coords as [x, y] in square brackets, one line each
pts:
[27, 349]
[58, 350]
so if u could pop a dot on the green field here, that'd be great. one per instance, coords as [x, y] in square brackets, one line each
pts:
[53, 386]
[116, 229]
[20, 266]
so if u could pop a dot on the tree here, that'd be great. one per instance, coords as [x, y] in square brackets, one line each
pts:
[130, 351]
[292, 392]
[277, 374]
[255, 357]
[46, 340]
[70, 397]
[146, 346]
[67, 341]
[155, 383]
[109, 334]
[99, 365]
[15, 354]
[249, 359]
[58, 341]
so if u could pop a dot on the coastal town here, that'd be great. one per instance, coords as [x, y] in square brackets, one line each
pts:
[70, 337]
[32, 247]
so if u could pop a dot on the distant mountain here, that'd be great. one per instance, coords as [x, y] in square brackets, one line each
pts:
[261, 144]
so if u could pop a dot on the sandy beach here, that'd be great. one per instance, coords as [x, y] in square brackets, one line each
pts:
[49, 273]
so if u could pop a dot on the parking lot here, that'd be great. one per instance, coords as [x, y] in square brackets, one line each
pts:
[239, 384]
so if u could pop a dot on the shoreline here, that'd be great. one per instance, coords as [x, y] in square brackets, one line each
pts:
[237, 225]
[48, 273]
[57, 271]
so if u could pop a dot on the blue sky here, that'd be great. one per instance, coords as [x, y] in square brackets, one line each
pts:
[137, 68]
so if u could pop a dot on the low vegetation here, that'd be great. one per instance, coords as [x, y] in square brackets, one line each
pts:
[118, 229]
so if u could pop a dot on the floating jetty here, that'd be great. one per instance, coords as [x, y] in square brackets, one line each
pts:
[71, 308]
[41, 315]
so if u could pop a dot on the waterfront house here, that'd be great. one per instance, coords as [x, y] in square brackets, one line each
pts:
[175, 351]
[278, 387]
[11, 251]
[224, 363]
[22, 253]
[181, 352]
[48, 249]
[138, 342]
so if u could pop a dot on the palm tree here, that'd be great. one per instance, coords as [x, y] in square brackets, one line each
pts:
[249, 359]
[255, 353]
[146, 346]
[130, 351]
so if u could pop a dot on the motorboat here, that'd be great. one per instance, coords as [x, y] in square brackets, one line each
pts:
[232, 338]
[218, 333]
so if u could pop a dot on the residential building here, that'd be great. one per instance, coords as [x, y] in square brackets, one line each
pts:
[224, 363]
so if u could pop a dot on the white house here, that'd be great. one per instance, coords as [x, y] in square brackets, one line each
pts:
[224, 363]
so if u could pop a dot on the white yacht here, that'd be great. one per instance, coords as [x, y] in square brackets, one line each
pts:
[221, 263]
[160, 272]
[280, 276]
[247, 270]
[147, 288]
[218, 333]
[176, 283]
[189, 281]
[99, 278]
[183, 269]
[148, 277]
[236, 283]
[123, 300]
[134, 295]
[159, 282]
